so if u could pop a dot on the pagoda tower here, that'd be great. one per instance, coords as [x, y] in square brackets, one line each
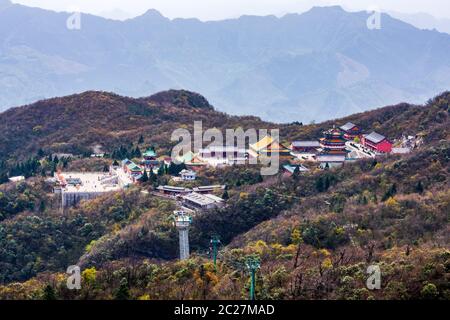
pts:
[333, 151]
[333, 142]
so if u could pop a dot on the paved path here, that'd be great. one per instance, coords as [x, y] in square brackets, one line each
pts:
[360, 151]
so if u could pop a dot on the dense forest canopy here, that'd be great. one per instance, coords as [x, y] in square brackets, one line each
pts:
[314, 233]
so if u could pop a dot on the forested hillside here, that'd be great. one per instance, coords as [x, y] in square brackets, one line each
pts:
[76, 124]
[315, 233]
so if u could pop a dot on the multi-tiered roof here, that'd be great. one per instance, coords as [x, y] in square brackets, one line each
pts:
[150, 154]
[333, 142]
[351, 131]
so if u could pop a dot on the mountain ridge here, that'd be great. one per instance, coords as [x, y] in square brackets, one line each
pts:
[305, 67]
[76, 123]
[324, 225]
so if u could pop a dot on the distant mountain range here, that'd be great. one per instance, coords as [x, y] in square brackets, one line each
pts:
[319, 65]
[423, 21]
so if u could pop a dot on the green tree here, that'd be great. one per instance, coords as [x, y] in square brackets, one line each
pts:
[42, 206]
[3, 178]
[390, 192]
[137, 152]
[225, 195]
[49, 293]
[122, 292]
[296, 173]
[161, 170]
[419, 187]
[429, 291]
[40, 153]
[152, 177]
[172, 169]
[320, 185]
[259, 178]
[144, 177]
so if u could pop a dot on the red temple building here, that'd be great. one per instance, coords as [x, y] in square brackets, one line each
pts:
[377, 142]
[351, 131]
[333, 151]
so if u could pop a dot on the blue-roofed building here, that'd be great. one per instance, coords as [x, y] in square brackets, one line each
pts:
[150, 161]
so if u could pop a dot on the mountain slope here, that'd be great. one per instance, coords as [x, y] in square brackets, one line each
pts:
[321, 64]
[79, 123]
[315, 234]
[369, 178]
[76, 124]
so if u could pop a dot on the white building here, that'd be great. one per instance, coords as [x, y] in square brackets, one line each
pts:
[199, 201]
[188, 175]
[173, 191]
[97, 155]
[209, 189]
[330, 161]
[17, 179]
[223, 155]
[77, 186]
[401, 150]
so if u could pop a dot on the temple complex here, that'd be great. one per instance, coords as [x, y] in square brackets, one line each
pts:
[333, 151]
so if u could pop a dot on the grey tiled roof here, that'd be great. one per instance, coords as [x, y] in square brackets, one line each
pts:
[348, 126]
[302, 144]
[173, 189]
[375, 137]
[331, 158]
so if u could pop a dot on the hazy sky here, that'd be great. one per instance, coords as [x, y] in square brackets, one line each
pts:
[220, 9]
